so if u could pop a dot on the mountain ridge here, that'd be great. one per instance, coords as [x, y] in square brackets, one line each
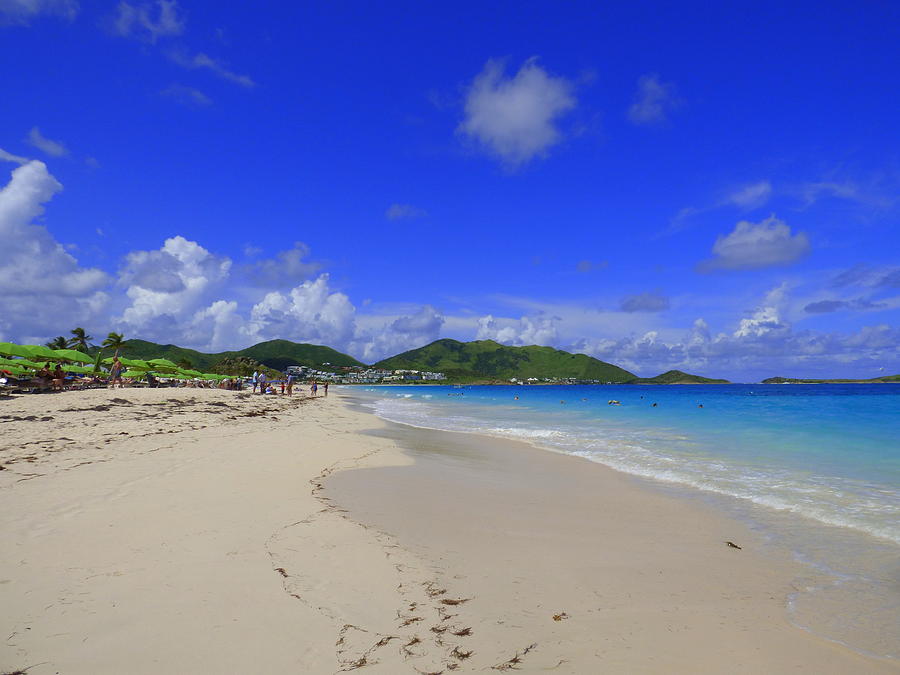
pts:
[276, 354]
[488, 360]
[473, 361]
[677, 377]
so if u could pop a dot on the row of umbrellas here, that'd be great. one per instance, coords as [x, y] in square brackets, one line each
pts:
[32, 357]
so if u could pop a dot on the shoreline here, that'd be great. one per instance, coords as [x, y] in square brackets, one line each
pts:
[209, 531]
[430, 449]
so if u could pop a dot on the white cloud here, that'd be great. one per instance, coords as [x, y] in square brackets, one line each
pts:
[45, 145]
[761, 345]
[516, 118]
[404, 212]
[203, 61]
[21, 12]
[752, 195]
[168, 285]
[186, 95]
[287, 268]
[397, 336]
[766, 319]
[9, 157]
[42, 287]
[537, 330]
[812, 192]
[653, 101]
[309, 312]
[645, 302]
[148, 21]
[755, 245]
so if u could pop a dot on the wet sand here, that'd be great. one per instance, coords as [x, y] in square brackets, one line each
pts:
[568, 566]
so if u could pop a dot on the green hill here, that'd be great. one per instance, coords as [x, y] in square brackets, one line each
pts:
[488, 360]
[677, 377]
[793, 380]
[277, 354]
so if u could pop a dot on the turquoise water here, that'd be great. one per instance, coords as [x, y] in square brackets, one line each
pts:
[814, 467]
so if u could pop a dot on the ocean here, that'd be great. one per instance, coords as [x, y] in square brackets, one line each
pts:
[813, 468]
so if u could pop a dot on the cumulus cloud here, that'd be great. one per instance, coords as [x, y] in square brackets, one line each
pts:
[516, 118]
[399, 335]
[645, 302]
[754, 245]
[536, 330]
[404, 212]
[760, 345]
[309, 312]
[168, 285]
[41, 284]
[653, 101]
[148, 21]
[287, 268]
[203, 61]
[21, 12]
[45, 145]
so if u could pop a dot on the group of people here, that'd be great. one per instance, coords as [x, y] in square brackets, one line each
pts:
[53, 377]
[262, 384]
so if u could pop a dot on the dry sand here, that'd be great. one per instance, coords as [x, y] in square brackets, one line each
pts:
[194, 531]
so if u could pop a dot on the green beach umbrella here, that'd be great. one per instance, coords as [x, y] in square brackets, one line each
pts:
[132, 364]
[41, 353]
[15, 370]
[134, 373]
[83, 370]
[190, 373]
[12, 349]
[20, 363]
[73, 355]
[163, 365]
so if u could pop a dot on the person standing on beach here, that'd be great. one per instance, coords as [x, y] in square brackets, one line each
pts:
[290, 384]
[314, 388]
[255, 380]
[114, 373]
[261, 380]
[326, 389]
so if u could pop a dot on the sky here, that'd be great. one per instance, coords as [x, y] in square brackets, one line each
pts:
[709, 188]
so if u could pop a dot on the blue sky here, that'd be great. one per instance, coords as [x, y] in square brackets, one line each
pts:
[712, 189]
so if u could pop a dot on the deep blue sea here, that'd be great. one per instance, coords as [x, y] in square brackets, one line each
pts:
[812, 467]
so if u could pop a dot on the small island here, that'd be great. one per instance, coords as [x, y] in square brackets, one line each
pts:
[676, 377]
[885, 379]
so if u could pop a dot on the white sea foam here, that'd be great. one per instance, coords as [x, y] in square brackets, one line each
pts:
[671, 458]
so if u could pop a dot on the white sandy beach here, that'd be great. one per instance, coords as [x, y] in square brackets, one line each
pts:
[193, 531]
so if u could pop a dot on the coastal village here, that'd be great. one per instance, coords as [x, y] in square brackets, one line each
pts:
[363, 375]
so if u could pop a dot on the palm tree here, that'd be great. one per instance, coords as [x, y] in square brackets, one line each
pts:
[80, 340]
[114, 341]
[58, 343]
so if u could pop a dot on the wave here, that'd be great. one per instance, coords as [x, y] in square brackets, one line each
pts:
[660, 455]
